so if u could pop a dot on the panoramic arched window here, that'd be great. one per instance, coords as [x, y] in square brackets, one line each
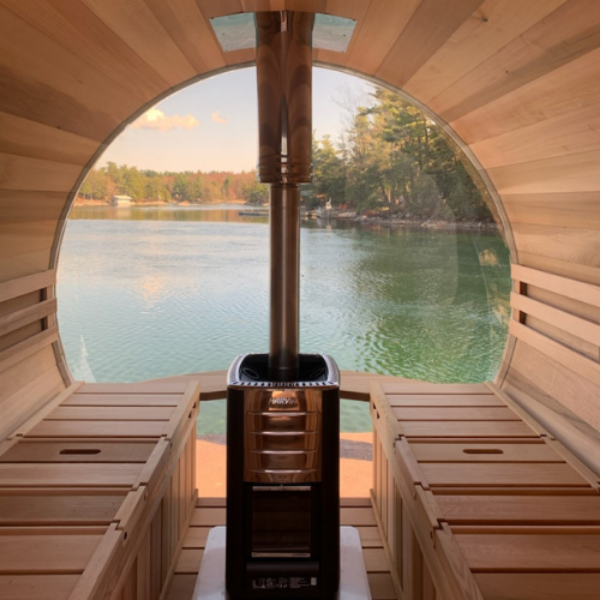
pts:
[164, 264]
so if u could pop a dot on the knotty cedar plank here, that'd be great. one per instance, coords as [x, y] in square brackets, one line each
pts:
[111, 413]
[506, 510]
[89, 452]
[471, 413]
[484, 451]
[435, 400]
[59, 509]
[502, 474]
[539, 586]
[46, 553]
[531, 552]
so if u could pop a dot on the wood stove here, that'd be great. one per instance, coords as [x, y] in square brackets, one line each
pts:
[283, 524]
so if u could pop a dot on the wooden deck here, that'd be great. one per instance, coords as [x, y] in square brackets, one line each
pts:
[211, 512]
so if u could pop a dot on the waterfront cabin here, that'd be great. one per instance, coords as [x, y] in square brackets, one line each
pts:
[487, 491]
[121, 200]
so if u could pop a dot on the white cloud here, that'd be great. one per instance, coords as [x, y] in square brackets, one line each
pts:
[217, 118]
[157, 120]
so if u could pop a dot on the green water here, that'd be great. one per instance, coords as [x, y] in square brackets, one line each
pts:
[151, 292]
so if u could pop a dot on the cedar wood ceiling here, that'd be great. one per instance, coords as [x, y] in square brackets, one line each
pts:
[516, 82]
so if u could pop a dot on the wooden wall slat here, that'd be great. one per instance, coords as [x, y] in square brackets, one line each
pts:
[570, 87]
[24, 49]
[138, 27]
[557, 385]
[24, 285]
[569, 32]
[572, 173]
[573, 133]
[15, 354]
[493, 25]
[36, 174]
[35, 140]
[26, 97]
[20, 318]
[76, 28]
[560, 267]
[577, 290]
[573, 361]
[577, 210]
[582, 328]
[574, 246]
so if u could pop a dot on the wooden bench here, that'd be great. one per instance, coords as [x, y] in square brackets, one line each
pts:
[476, 500]
[96, 492]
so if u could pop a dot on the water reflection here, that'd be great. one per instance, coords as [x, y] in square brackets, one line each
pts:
[151, 292]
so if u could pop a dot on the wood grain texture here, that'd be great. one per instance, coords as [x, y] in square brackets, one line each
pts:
[573, 361]
[46, 553]
[564, 286]
[502, 475]
[138, 26]
[485, 413]
[539, 586]
[486, 451]
[438, 400]
[430, 26]
[25, 285]
[571, 87]
[122, 400]
[371, 42]
[76, 28]
[475, 429]
[490, 27]
[59, 508]
[569, 32]
[542, 553]
[28, 587]
[582, 328]
[110, 413]
[519, 509]
[580, 210]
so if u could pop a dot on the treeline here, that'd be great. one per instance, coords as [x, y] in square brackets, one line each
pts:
[391, 160]
[153, 186]
[392, 157]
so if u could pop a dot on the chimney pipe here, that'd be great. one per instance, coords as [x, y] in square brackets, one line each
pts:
[284, 76]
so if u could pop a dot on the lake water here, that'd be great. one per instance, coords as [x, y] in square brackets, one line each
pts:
[151, 292]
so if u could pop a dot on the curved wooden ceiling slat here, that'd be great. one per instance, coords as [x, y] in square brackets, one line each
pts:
[186, 25]
[492, 26]
[28, 52]
[430, 26]
[578, 210]
[566, 89]
[77, 29]
[36, 174]
[138, 27]
[22, 96]
[36, 140]
[571, 31]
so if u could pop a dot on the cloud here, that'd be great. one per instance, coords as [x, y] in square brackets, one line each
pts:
[217, 118]
[157, 120]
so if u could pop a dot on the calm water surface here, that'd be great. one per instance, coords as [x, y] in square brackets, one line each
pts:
[151, 292]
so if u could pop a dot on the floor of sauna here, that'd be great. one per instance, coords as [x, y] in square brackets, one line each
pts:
[355, 484]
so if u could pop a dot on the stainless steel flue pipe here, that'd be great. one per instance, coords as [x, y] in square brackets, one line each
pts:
[284, 76]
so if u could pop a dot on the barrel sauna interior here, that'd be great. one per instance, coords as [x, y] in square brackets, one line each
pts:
[516, 84]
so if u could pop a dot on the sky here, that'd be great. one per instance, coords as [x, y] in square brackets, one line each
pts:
[212, 125]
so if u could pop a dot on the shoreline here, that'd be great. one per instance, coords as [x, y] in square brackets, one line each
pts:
[360, 220]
